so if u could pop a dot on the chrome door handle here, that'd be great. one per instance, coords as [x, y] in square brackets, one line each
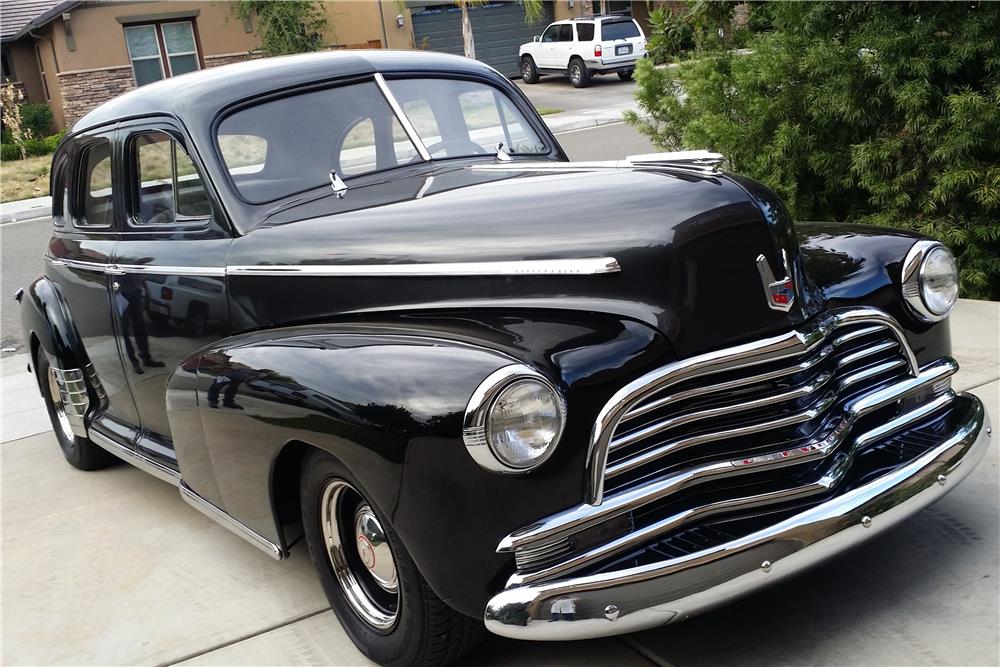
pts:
[115, 286]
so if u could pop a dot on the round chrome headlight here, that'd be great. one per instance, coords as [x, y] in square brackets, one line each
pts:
[513, 420]
[930, 281]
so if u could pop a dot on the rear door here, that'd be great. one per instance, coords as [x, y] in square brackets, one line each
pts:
[564, 46]
[170, 284]
[621, 41]
[86, 214]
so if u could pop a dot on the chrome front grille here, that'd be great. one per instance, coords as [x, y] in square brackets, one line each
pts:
[753, 428]
[742, 415]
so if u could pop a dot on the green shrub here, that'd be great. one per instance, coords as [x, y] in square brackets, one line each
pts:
[9, 152]
[879, 113]
[670, 35]
[37, 118]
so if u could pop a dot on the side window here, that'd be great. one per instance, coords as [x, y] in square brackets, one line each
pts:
[96, 205]
[551, 34]
[585, 32]
[60, 191]
[566, 33]
[167, 187]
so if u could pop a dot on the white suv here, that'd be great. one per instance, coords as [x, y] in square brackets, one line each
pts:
[582, 47]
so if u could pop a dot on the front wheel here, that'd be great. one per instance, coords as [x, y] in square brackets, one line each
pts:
[626, 75]
[578, 74]
[374, 588]
[79, 452]
[529, 73]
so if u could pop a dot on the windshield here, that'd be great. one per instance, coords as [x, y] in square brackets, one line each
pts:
[456, 118]
[284, 146]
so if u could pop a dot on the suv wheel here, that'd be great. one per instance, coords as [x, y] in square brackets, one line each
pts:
[529, 73]
[626, 75]
[578, 74]
[374, 588]
[79, 452]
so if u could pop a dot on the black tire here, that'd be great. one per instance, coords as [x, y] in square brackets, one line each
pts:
[626, 75]
[79, 452]
[529, 73]
[579, 75]
[196, 323]
[426, 631]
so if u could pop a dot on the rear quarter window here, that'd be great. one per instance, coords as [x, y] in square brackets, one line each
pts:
[619, 30]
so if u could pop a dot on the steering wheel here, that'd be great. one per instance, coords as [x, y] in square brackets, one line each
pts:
[457, 147]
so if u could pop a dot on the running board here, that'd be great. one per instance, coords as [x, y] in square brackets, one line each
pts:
[227, 521]
[191, 497]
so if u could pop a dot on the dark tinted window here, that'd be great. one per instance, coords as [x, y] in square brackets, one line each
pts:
[289, 145]
[168, 188]
[566, 33]
[585, 32]
[96, 187]
[611, 30]
[551, 34]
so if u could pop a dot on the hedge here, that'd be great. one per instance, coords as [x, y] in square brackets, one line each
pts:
[34, 147]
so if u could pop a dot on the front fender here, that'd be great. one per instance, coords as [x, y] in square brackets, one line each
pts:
[387, 399]
[859, 265]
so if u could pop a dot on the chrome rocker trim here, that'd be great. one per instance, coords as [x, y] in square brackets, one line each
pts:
[129, 455]
[226, 520]
[642, 597]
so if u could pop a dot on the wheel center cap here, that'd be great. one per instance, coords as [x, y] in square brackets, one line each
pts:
[366, 551]
[373, 549]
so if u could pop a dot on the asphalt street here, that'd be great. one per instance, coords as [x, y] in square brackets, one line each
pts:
[22, 242]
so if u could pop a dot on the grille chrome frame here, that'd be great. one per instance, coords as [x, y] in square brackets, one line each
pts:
[784, 346]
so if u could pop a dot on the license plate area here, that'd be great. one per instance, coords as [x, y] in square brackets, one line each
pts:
[623, 49]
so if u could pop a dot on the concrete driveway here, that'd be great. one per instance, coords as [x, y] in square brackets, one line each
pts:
[112, 568]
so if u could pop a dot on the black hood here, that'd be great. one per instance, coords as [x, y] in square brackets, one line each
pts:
[687, 247]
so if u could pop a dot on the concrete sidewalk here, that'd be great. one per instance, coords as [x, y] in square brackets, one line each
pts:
[113, 568]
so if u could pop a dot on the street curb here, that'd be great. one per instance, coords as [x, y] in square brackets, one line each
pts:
[25, 209]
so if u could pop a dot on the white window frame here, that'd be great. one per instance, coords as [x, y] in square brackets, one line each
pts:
[159, 52]
[194, 41]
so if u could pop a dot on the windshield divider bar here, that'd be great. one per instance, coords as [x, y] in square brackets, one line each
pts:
[411, 132]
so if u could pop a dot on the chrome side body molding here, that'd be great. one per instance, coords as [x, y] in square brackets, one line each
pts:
[584, 266]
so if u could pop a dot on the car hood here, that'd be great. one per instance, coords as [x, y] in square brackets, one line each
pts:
[687, 246]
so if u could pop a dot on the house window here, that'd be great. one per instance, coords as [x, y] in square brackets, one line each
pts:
[158, 50]
[7, 67]
[41, 71]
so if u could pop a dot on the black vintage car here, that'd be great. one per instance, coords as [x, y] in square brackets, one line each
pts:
[366, 298]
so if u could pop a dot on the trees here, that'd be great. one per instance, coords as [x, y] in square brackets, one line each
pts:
[286, 27]
[879, 113]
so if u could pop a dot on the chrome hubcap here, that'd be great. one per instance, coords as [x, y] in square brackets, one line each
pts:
[366, 570]
[526, 70]
[374, 550]
[58, 407]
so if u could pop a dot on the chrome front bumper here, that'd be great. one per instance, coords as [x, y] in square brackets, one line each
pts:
[629, 600]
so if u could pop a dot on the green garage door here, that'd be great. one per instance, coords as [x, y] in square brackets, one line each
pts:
[498, 27]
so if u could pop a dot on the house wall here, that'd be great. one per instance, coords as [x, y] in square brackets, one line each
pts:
[22, 55]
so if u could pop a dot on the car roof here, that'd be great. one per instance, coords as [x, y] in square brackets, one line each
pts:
[201, 95]
[603, 17]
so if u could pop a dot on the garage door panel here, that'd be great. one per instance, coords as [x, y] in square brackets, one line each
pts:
[498, 28]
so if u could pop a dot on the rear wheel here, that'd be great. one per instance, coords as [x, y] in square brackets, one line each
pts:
[374, 588]
[529, 73]
[626, 75]
[79, 452]
[578, 74]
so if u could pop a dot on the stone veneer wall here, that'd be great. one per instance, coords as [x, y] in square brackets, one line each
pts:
[229, 58]
[82, 90]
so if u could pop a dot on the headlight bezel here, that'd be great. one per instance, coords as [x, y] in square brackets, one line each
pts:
[913, 281]
[475, 427]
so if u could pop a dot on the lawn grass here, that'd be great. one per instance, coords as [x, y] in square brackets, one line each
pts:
[24, 179]
[545, 111]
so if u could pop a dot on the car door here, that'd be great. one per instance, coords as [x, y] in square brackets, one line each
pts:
[86, 214]
[547, 47]
[170, 287]
[564, 46]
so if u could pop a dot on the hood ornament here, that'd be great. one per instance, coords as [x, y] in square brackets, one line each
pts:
[701, 162]
[780, 293]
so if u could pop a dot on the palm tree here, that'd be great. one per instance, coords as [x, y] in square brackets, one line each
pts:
[533, 12]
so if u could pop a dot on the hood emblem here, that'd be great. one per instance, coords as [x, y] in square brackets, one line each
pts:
[780, 293]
